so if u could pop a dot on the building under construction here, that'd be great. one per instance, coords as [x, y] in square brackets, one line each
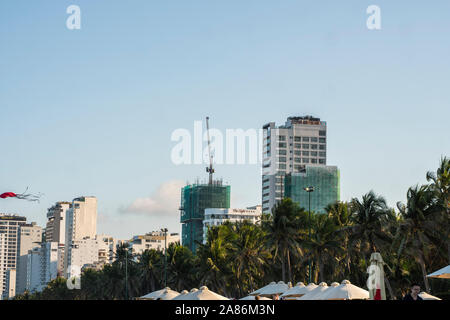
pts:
[195, 198]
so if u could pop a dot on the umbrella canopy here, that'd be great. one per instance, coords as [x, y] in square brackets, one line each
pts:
[163, 294]
[296, 291]
[426, 296]
[345, 291]
[375, 283]
[202, 294]
[253, 298]
[271, 289]
[185, 294]
[443, 273]
[315, 292]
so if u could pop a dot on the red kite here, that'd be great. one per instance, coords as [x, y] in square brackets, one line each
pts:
[22, 196]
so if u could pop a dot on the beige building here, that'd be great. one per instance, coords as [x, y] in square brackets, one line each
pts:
[153, 240]
[30, 237]
[81, 225]
[55, 230]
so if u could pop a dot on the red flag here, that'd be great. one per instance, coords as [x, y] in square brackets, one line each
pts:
[8, 195]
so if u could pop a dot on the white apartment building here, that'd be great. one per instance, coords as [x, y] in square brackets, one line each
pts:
[216, 217]
[10, 288]
[84, 252]
[3, 262]
[300, 142]
[30, 237]
[55, 230]
[42, 266]
[81, 225]
[107, 248]
[9, 244]
[153, 240]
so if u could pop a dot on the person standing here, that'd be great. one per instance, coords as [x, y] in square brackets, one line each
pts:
[414, 295]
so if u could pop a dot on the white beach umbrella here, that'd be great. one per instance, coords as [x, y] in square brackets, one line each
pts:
[319, 295]
[301, 291]
[203, 294]
[272, 289]
[315, 292]
[163, 294]
[184, 295]
[253, 298]
[427, 296]
[346, 291]
[443, 273]
[296, 291]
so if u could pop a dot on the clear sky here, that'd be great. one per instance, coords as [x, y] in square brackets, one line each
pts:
[91, 111]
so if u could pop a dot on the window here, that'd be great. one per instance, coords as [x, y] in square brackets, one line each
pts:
[282, 152]
[282, 144]
[298, 160]
[305, 153]
[313, 160]
[322, 154]
[305, 160]
[305, 139]
[297, 153]
[322, 161]
[314, 139]
[313, 153]
[306, 146]
[282, 159]
[314, 146]
[297, 139]
[282, 166]
[322, 140]
[281, 138]
[322, 147]
[322, 133]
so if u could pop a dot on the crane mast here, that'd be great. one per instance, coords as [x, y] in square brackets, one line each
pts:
[209, 169]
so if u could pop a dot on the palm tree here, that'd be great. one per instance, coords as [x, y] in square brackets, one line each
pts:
[419, 228]
[181, 263]
[283, 233]
[324, 247]
[150, 268]
[249, 255]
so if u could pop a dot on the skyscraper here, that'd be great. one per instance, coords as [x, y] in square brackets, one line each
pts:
[194, 200]
[9, 244]
[300, 142]
[81, 225]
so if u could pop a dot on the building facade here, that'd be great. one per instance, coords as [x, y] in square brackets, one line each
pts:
[326, 183]
[81, 225]
[300, 142]
[55, 230]
[9, 244]
[216, 217]
[30, 237]
[194, 200]
[154, 240]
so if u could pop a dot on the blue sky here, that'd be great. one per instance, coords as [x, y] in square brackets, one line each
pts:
[91, 111]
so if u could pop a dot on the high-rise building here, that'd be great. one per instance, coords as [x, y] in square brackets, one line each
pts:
[10, 288]
[300, 142]
[324, 179]
[56, 224]
[9, 244]
[195, 199]
[217, 217]
[30, 237]
[81, 224]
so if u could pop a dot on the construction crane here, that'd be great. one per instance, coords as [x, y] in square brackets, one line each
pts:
[209, 169]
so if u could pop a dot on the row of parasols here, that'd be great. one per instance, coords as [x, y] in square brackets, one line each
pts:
[335, 291]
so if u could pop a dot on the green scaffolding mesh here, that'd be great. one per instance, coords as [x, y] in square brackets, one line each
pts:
[324, 179]
[194, 200]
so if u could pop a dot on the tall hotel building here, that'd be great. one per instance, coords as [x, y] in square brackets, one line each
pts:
[80, 233]
[292, 150]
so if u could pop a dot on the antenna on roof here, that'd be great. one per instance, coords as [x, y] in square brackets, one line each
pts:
[209, 169]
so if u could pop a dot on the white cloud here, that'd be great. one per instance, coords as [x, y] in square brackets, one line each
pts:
[164, 201]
